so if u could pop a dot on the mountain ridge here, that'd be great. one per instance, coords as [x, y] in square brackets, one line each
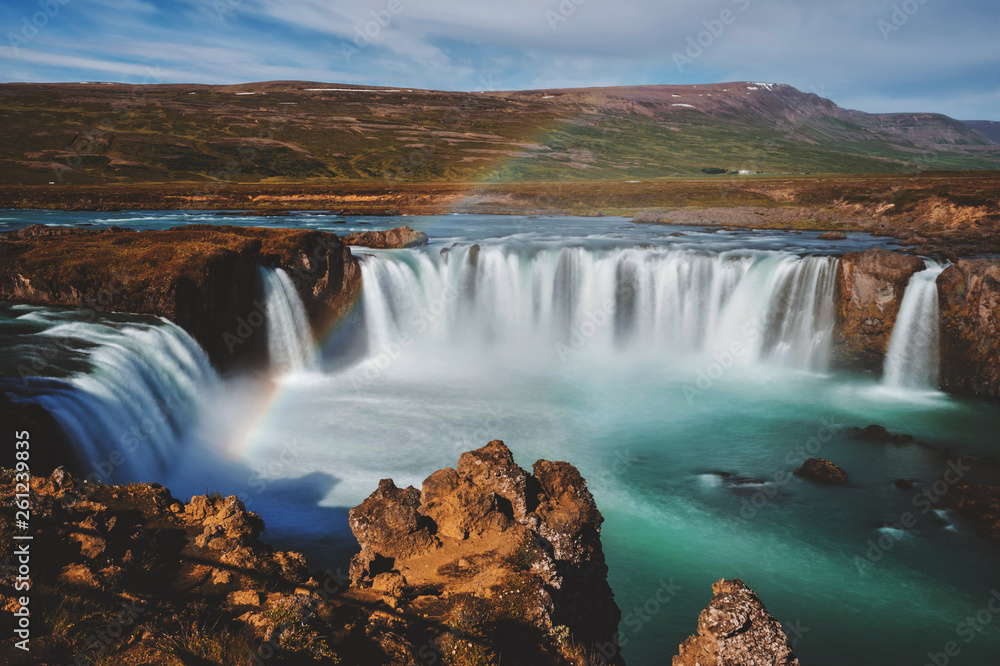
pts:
[280, 131]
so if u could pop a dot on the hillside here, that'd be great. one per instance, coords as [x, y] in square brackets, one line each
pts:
[988, 128]
[89, 133]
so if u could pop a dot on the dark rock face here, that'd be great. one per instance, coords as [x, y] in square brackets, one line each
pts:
[870, 287]
[735, 630]
[489, 530]
[202, 277]
[399, 237]
[969, 302]
[822, 470]
[981, 503]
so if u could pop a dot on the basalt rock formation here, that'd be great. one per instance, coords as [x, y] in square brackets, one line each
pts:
[486, 560]
[736, 630]
[869, 293]
[969, 302]
[399, 237]
[177, 570]
[513, 558]
[204, 278]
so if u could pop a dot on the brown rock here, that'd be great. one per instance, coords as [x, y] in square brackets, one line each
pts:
[833, 235]
[981, 503]
[969, 298]
[388, 527]
[201, 277]
[400, 237]
[870, 287]
[822, 470]
[736, 630]
[489, 528]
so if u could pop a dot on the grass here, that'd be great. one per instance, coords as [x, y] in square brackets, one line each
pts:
[109, 134]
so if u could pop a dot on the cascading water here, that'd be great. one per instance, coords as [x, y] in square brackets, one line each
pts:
[776, 305]
[914, 355]
[289, 337]
[135, 389]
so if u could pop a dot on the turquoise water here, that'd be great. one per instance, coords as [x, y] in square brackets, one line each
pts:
[650, 426]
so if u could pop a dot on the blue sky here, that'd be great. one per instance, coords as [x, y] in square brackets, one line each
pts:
[874, 55]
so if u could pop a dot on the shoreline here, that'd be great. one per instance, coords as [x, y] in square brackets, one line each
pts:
[946, 214]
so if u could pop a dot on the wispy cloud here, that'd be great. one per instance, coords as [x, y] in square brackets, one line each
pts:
[942, 56]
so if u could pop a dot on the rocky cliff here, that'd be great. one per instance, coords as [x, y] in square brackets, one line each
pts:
[487, 559]
[736, 630]
[512, 559]
[204, 278]
[870, 288]
[969, 301]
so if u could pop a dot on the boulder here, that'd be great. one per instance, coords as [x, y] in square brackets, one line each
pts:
[400, 237]
[822, 470]
[833, 235]
[736, 630]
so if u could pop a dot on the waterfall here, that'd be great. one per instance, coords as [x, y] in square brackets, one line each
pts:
[914, 356]
[775, 306]
[132, 395]
[289, 336]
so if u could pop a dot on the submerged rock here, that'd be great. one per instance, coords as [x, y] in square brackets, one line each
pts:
[735, 630]
[822, 470]
[877, 433]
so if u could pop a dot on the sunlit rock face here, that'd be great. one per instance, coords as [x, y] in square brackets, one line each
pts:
[527, 546]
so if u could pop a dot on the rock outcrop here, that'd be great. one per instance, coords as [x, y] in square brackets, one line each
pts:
[969, 301]
[981, 503]
[399, 237]
[202, 277]
[526, 546]
[486, 560]
[870, 287]
[821, 470]
[736, 630]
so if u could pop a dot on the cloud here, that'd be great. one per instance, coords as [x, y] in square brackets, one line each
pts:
[944, 55]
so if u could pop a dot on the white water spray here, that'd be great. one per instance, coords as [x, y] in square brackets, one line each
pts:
[128, 415]
[289, 336]
[777, 306]
[913, 358]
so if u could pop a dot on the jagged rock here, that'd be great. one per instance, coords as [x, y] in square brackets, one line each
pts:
[869, 292]
[822, 470]
[736, 630]
[969, 298]
[833, 235]
[400, 237]
[490, 528]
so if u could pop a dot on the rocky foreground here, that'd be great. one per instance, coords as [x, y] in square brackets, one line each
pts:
[486, 564]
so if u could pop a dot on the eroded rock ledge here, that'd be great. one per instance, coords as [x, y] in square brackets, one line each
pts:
[488, 559]
[520, 551]
[202, 277]
[735, 630]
